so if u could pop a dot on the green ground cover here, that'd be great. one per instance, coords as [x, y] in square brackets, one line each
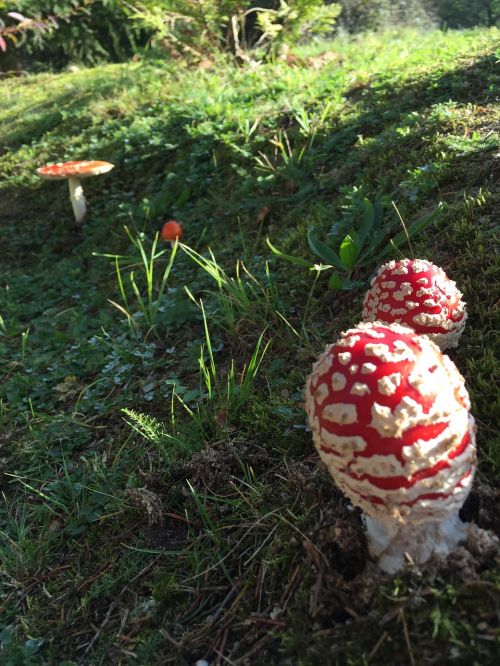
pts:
[161, 499]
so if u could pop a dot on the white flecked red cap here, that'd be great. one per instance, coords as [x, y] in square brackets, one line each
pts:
[418, 294]
[77, 169]
[389, 414]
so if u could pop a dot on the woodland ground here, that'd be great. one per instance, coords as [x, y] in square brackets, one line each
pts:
[198, 524]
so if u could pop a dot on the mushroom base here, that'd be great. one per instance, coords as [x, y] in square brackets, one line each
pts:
[393, 544]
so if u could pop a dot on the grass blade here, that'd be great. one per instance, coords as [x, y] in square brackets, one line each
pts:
[288, 257]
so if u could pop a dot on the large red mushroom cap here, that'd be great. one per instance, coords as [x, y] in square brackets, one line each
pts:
[78, 169]
[390, 418]
[171, 231]
[418, 294]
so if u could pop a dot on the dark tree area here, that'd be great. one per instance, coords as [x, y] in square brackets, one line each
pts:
[359, 15]
[468, 13]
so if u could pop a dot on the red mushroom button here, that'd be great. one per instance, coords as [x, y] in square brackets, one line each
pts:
[171, 231]
[390, 419]
[418, 294]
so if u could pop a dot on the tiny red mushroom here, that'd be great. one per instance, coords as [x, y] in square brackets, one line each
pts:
[74, 172]
[418, 294]
[390, 419]
[171, 231]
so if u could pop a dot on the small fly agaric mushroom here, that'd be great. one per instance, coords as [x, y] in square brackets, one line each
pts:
[74, 172]
[171, 231]
[390, 419]
[420, 295]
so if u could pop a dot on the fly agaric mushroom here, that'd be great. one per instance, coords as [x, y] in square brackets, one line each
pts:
[74, 172]
[171, 231]
[418, 294]
[390, 419]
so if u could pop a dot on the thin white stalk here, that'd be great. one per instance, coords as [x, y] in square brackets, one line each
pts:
[78, 201]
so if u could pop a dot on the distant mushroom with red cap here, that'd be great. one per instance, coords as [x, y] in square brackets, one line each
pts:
[390, 419]
[74, 172]
[171, 231]
[418, 294]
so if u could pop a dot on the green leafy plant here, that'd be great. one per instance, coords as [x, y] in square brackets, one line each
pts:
[141, 296]
[14, 31]
[293, 20]
[362, 247]
[70, 31]
[169, 445]
[194, 29]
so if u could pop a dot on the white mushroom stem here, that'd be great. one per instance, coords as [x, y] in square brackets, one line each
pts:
[393, 544]
[78, 201]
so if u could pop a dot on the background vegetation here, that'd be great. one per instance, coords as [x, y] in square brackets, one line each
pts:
[49, 34]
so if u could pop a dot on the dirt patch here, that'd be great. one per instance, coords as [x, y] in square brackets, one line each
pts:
[482, 506]
[466, 562]
[171, 536]
[148, 503]
[322, 587]
[213, 468]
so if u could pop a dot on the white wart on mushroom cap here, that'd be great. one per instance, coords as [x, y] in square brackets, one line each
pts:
[390, 419]
[418, 294]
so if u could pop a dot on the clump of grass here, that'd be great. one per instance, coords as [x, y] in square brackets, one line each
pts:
[242, 298]
[147, 291]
